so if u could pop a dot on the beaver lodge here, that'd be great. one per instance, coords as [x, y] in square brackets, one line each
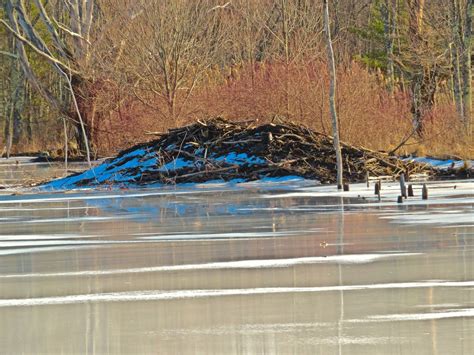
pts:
[220, 150]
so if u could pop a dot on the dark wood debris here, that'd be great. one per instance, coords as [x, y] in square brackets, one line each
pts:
[274, 150]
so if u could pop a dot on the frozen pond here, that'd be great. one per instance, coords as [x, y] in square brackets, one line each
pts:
[275, 267]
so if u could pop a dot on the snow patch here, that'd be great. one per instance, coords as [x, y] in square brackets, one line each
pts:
[126, 169]
[176, 164]
[158, 295]
[350, 259]
[240, 159]
[438, 163]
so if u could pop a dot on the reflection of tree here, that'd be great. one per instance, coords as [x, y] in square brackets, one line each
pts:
[433, 322]
[340, 251]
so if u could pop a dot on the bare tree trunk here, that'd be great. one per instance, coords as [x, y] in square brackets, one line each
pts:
[388, 17]
[80, 112]
[455, 56]
[284, 11]
[13, 124]
[332, 94]
[8, 131]
[65, 144]
[466, 70]
[18, 104]
[79, 116]
[17, 120]
[417, 74]
[416, 103]
[423, 75]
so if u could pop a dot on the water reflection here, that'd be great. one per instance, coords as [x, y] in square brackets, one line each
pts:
[23, 171]
[231, 270]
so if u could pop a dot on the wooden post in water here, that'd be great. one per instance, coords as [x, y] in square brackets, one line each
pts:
[377, 188]
[367, 179]
[346, 187]
[400, 199]
[424, 192]
[410, 191]
[403, 188]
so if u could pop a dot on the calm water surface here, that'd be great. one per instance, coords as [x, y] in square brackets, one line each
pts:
[242, 269]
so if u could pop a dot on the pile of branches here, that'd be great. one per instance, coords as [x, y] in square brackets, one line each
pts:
[272, 150]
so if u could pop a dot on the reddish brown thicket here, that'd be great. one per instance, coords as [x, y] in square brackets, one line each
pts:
[149, 65]
[368, 115]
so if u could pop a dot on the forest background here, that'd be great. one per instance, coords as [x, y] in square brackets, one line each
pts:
[104, 74]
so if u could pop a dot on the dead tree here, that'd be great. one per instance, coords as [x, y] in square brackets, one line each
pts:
[388, 16]
[12, 96]
[455, 47]
[466, 70]
[332, 94]
[461, 36]
[179, 40]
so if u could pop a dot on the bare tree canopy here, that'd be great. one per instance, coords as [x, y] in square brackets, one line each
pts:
[102, 73]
